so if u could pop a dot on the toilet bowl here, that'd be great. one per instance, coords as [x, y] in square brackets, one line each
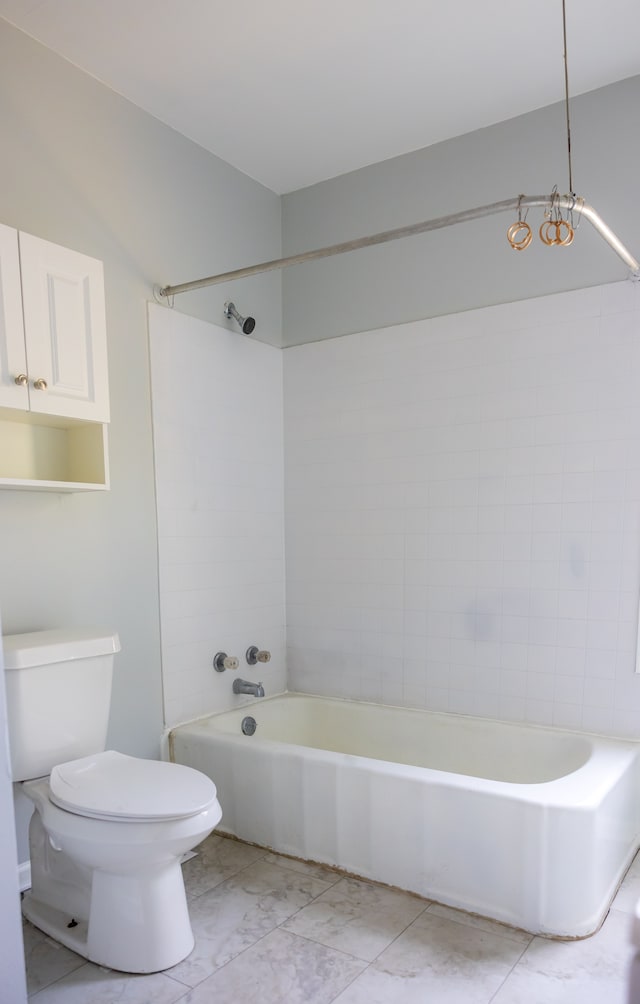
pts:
[105, 857]
[108, 831]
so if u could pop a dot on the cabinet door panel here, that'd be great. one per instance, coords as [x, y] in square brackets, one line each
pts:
[65, 330]
[13, 361]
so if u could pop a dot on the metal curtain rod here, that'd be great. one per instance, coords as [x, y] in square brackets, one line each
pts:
[556, 202]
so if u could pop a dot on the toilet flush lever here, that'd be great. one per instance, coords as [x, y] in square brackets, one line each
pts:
[255, 654]
[222, 661]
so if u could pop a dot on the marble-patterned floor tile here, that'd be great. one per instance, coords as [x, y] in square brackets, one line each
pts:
[482, 923]
[45, 960]
[629, 892]
[280, 969]
[591, 971]
[216, 859]
[94, 985]
[240, 912]
[357, 917]
[437, 960]
[286, 932]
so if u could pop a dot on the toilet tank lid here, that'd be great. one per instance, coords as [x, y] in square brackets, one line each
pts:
[40, 648]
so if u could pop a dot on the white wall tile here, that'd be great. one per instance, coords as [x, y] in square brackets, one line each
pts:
[219, 485]
[572, 632]
[509, 439]
[462, 512]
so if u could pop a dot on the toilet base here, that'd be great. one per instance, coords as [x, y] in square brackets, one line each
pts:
[55, 923]
[135, 925]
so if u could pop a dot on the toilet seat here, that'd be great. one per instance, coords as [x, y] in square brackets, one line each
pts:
[112, 785]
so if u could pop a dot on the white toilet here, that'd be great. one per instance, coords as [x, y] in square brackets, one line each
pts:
[108, 831]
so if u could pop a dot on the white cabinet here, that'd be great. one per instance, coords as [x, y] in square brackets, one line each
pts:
[54, 393]
[58, 353]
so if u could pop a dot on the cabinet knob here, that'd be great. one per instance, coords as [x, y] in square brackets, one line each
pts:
[40, 384]
[22, 380]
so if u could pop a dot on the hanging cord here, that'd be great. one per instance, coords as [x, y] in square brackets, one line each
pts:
[555, 229]
[566, 96]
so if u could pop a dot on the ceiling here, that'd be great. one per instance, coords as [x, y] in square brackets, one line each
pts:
[293, 92]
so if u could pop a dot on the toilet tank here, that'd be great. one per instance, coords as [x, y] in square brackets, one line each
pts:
[58, 686]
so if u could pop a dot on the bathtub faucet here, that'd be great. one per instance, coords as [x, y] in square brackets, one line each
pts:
[244, 687]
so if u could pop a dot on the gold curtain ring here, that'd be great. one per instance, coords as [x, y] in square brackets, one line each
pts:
[549, 233]
[567, 239]
[519, 243]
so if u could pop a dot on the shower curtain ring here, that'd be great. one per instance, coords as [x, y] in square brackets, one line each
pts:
[568, 237]
[519, 235]
[522, 219]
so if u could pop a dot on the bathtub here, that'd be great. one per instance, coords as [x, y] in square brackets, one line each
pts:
[530, 826]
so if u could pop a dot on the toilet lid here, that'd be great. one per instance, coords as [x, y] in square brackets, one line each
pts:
[112, 785]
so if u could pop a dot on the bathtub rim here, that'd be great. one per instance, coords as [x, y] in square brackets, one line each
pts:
[552, 792]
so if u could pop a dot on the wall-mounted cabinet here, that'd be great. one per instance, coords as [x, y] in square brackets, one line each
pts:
[54, 391]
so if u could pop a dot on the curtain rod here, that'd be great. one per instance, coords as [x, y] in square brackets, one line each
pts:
[556, 202]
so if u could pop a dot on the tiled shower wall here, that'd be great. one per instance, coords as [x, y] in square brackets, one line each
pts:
[217, 425]
[462, 512]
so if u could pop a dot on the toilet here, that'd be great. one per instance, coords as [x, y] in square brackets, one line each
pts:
[108, 831]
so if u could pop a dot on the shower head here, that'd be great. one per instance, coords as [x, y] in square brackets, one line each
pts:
[246, 323]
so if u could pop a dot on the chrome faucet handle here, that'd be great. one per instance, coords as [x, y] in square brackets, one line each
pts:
[255, 654]
[222, 661]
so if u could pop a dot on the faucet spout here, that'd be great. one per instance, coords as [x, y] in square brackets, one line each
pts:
[244, 687]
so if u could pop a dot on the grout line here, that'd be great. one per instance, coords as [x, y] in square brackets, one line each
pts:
[511, 971]
[312, 941]
[193, 897]
[370, 964]
[174, 979]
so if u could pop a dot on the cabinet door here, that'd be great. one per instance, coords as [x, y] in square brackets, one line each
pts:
[13, 360]
[65, 331]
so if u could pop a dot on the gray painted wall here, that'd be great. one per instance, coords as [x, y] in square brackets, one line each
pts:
[469, 265]
[86, 169]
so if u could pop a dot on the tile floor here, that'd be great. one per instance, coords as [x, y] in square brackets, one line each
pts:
[278, 931]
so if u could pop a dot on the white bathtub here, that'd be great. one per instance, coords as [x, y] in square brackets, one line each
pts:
[530, 826]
